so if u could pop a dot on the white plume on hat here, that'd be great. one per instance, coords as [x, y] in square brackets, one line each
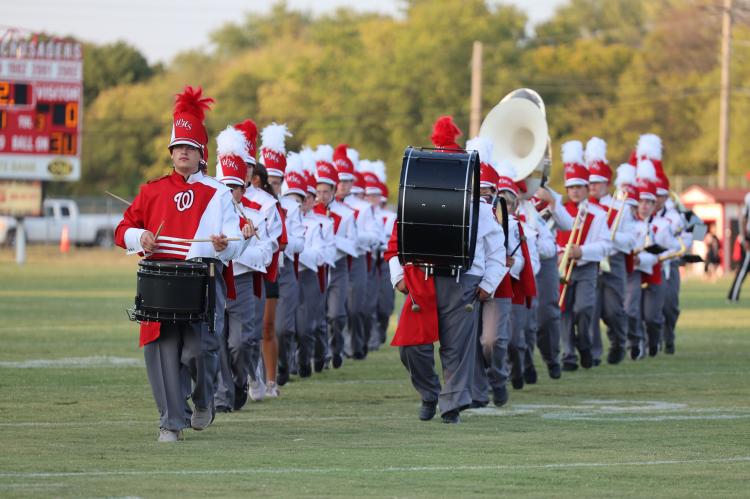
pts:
[646, 170]
[506, 169]
[274, 137]
[232, 142]
[378, 168]
[353, 156]
[649, 146]
[483, 146]
[625, 175]
[324, 152]
[572, 152]
[295, 163]
[596, 150]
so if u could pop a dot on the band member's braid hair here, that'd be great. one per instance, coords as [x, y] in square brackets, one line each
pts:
[262, 174]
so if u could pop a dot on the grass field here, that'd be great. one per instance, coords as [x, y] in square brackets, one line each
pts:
[77, 417]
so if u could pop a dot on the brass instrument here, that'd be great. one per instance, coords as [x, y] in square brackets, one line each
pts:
[567, 263]
[621, 196]
[675, 254]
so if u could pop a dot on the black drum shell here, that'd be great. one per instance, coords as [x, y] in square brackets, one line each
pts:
[438, 209]
[171, 291]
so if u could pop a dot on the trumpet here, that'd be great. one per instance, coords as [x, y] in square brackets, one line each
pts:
[567, 263]
[621, 196]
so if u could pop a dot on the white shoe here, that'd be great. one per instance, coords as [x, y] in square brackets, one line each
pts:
[272, 390]
[257, 390]
[201, 418]
[169, 435]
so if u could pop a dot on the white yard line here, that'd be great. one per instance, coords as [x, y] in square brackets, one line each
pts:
[390, 469]
[78, 362]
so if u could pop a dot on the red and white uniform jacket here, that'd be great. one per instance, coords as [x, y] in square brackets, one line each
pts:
[269, 208]
[295, 230]
[658, 230]
[624, 240]
[344, 228]
[388, 219]
[595, 243]
[192, 208]
[257, 252]
[368, 231]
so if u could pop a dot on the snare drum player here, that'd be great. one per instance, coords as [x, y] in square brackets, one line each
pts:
[610, 290]
[586, 246]
[447, 310]
[183, 205]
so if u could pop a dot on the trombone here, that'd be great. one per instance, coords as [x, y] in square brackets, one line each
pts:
[621, 196]
[567, 263]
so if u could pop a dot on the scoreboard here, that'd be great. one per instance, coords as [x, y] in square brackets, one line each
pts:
[41, 102]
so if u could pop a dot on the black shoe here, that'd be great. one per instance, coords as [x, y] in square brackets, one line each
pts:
[554, 371]
[653, 350]
[597, 362]
[358, 356]
[476, 404]
[427, 411]
[240, 396]
[615, 355]
[223, 409]
[529, 375]
[304, 370]
[635, 352]
[669, 349]
[319, 365]
[586, 359]
[451, 417]
[569, 366]
[283, 377]
[337, 360]
[517, 383]
[500, 396]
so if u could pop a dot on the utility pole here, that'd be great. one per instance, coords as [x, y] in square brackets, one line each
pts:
[726, 48]
[475, 116]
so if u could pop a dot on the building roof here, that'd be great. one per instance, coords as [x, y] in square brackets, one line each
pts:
[697, 194]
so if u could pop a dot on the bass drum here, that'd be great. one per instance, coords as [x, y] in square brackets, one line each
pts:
[172, 291]
[438, 207]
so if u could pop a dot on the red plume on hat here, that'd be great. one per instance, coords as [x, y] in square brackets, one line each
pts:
[445, 132]
[250, 130]
[189, 112]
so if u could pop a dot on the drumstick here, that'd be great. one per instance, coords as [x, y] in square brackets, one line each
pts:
[118, 198]
[239, 209]
[158, 231]
[177, 240]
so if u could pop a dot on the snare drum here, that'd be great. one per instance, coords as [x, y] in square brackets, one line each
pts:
[172, 291]
[438, 207]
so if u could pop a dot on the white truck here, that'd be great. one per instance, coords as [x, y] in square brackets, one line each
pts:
[83, 229]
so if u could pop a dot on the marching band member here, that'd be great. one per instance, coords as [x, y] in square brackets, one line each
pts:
[586, 247]
[491, 366]
[267, 204]
[547, 325]
[742, 270]
[376, 193]
[447, 310]
[345, 236]
[239, 321]
[183, 205]
[610, 297]
[293, 197]
[282, 286]
[316, 260]
[350, 192]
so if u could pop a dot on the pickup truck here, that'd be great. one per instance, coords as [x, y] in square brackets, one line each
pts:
[83, 229]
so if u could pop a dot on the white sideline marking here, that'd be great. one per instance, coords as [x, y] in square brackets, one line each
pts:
[222, 420]
[391, 469]
[79, 362]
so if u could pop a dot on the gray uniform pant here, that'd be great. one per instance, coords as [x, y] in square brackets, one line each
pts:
[354, 332]
[610, 307]
[671, 302]
[385, 305]
[370, 302]
[256, 341]
[336, 294]
[548, 311]
[181, 346]
[579, 311]
[530, 332]
[633, 294]
[519, 316]
[310, 313]
[652, 305]
[236, 341]
[458, 340]
[286, 316]
[491, 366]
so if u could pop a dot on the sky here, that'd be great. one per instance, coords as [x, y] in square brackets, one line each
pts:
[162, 28]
